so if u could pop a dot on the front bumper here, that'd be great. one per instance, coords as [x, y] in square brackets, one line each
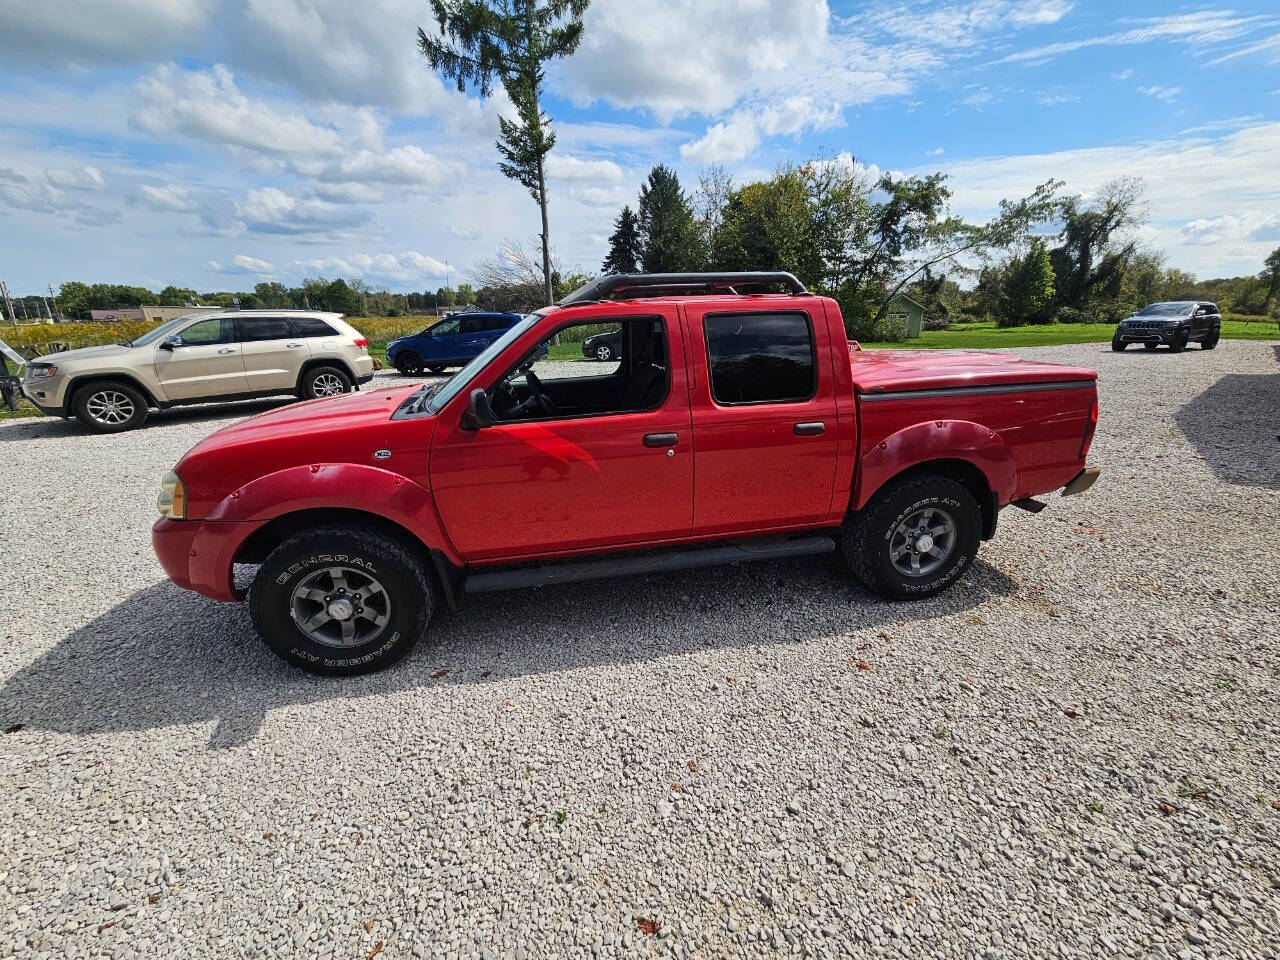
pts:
[1148, 334]
[46, 395]
[198, 554]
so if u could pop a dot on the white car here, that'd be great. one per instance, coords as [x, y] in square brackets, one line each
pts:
[198, 359]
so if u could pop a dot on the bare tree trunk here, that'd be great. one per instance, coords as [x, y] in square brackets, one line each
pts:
[546, 239]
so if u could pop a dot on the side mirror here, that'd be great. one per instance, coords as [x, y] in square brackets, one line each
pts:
[479, 412]
[168, 343]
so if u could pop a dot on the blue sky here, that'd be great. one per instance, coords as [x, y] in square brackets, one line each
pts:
[215, 143]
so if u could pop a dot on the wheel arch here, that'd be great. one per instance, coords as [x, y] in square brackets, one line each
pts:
[963, 472]
[79, 381]
[338, 362]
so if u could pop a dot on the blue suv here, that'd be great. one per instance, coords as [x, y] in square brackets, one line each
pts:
[452, 342]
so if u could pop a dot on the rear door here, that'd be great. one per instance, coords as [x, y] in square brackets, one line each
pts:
[273, 353]
[207, 363]
[764, 418]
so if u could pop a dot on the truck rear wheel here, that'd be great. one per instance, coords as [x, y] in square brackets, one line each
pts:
[341, 600]
[915, 538]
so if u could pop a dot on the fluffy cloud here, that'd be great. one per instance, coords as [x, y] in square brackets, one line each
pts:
[82, 178]
[408, 267]
[98, 31]
[562, 166]
[401, 166]
[170, 198]
[271, 210]
[242, 264]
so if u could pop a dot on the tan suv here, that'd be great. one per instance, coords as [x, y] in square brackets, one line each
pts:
[198, 359]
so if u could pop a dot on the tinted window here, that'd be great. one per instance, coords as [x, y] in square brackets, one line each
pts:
[209, 331]
[312, 327]
[472, 325]
[497, 323]
[760, 358]
[264, 328]
[1177, 308]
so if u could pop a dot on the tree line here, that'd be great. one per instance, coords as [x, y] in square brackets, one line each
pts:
[1048, 257]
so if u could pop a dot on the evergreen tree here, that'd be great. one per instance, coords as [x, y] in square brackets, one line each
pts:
[670, 241]
[624, 245]
[1028, 288]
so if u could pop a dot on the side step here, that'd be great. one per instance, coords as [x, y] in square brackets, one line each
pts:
[576, 571]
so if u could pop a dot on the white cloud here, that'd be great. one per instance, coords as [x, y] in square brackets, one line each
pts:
[935, 152]
[98, 31]
[1163, 94]
[1123, 74]
[1200, 28]
[401, 166]
[209, 106]
[612, 197]
[82, 178]
[562, 166]
[1248, 225]
[408, 267]
[242, 264]
[1047, 99]
[271, 210]
[169, 198]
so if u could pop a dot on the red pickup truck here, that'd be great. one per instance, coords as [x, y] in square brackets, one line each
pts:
[730, 426]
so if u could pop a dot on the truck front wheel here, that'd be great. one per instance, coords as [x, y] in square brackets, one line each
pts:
[915, 538]
[341, 600]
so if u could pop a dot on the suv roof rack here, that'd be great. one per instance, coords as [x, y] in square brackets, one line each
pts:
[602, 288]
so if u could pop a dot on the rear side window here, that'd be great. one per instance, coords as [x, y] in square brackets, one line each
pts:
[497, 323]
[264, 328]
[761, 357]
[473, 325]
[313, 327]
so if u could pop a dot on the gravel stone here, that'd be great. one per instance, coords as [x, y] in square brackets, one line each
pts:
[1072, 754]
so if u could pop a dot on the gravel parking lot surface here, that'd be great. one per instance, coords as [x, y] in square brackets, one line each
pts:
[1075, 753]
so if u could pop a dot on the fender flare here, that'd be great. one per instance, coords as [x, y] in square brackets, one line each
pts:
[347, 486]
[79, 380]
[937, 440]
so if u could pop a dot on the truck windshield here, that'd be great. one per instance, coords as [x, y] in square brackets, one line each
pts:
[458, 382]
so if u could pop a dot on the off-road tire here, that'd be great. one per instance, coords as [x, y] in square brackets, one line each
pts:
[92, 397]
[1211, 340]
[310, 390]
[866, 535]
[397, 567]
[409, 363]
[1118, 345]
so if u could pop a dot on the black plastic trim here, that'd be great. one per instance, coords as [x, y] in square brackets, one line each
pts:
[977, 391]
[603, 287]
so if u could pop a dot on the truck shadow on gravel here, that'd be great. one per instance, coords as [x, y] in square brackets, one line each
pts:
[168, 657]
[41, 427]
[1235, 426]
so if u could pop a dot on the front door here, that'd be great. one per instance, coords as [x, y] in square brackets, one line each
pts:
[579, 457]
[273, 353]
[204, 360]
[764, 418]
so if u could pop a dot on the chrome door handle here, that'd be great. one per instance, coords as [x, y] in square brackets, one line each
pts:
[227, 350]
[661, 439]
[812, 429]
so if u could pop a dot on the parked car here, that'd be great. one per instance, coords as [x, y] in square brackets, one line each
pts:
[201, 358]
[603, 346]
[452, 342]
[368, 512]
[1174, 323]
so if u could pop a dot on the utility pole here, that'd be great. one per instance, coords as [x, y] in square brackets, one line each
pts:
[54, 314]
[8, 304]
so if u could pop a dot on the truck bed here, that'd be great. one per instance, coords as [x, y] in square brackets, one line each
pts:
[893, 371]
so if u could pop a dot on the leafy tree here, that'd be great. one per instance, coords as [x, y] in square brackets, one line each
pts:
[510, 41]
[465, 295]
[1097, 248]
[1271, 275]
[769, 226]
[1028, 289]
[176, 296]
[445, 297]
[73, 300]
[624, 244]
[669, 236]
[272, 295]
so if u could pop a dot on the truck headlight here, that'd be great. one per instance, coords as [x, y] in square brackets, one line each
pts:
[172, 502]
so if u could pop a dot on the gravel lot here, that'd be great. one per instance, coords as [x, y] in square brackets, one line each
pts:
[1075, 753]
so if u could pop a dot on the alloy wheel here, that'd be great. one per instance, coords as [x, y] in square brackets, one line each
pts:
[327, 385]
[922, 542]
[110, 407]
[340, 607]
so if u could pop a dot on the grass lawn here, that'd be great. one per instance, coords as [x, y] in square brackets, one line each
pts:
[980, 336]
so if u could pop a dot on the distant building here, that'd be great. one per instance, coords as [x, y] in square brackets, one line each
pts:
[904, 310]
[147, 314]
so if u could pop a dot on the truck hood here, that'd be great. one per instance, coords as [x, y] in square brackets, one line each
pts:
[85, 353]
[891, 371]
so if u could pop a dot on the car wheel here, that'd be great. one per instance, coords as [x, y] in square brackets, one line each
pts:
[1179, 342]
[110, 406]
[324, 382]
[341, 600]
[409, 363]
[1148, 346]
[1211, 340]
[436, 370]
[914, 539]
[604, 353]
[1117, 345]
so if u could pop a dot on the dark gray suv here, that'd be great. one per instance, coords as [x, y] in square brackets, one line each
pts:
[1175, 323]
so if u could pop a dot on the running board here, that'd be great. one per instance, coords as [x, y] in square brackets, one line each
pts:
[647, 563]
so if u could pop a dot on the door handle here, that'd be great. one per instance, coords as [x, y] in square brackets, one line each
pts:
[291, 346]
[814, 428]
[661, 439]
[227, 350]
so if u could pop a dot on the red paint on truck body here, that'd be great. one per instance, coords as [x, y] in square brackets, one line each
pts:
[528, 490]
